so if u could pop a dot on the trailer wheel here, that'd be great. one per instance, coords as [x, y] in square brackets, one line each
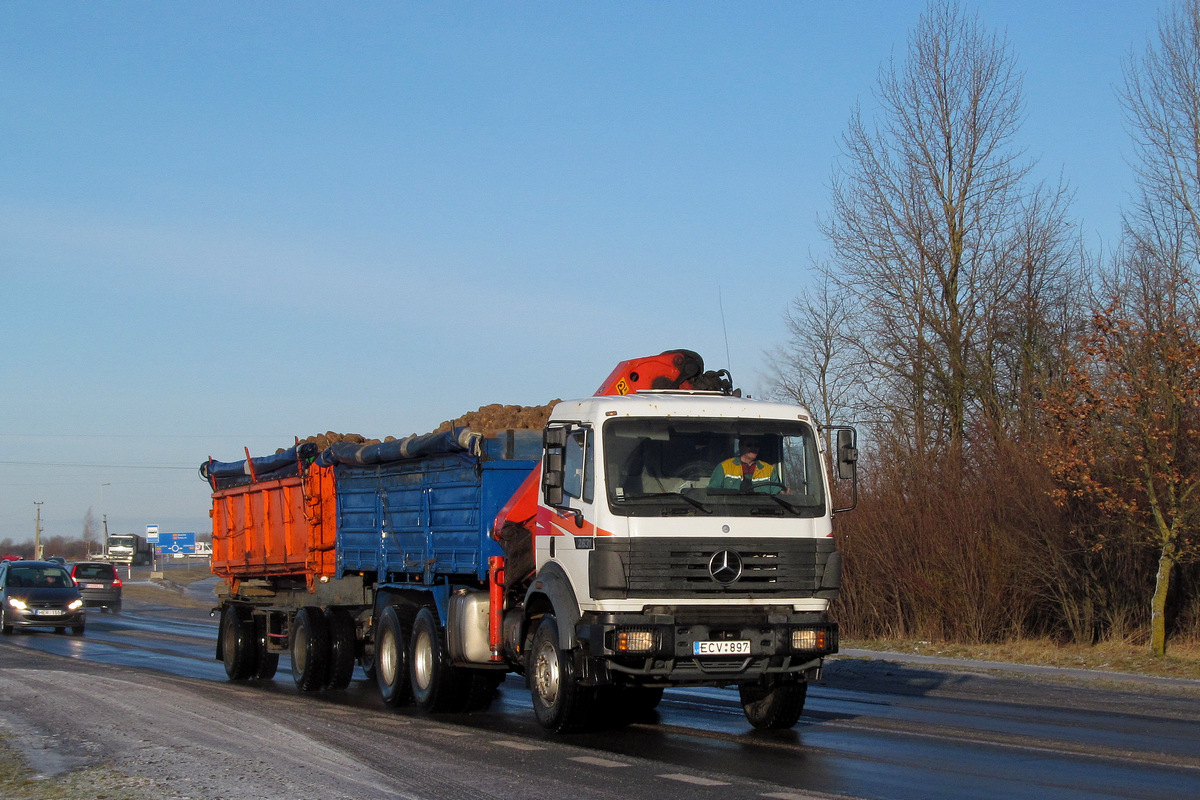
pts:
[310, 649]
[237, 644]
[341, 647]
[266, 662]
[391, 658]
[774, 702]
[436, 684]
[560, 704]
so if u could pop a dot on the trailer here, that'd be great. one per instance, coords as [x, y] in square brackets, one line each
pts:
[604, 558]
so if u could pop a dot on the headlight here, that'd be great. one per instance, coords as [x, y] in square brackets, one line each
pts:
[635, 641]
[74, 604]
[17, 603]
[809, 639]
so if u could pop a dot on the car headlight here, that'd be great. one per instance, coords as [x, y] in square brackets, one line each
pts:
[74, 604]
[17, 603]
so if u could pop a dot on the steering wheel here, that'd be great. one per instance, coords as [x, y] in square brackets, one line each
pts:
[695, 471]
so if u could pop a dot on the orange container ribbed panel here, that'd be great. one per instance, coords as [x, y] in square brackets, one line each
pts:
[277, 528]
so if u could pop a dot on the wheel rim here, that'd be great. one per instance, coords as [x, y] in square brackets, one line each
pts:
[546, 674]
[423, 660]
[387, 658]
[230, 642]
[300, 649]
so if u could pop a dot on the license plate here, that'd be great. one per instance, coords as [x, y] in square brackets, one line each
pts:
[49, 612]
[93, 586]
[736, 648]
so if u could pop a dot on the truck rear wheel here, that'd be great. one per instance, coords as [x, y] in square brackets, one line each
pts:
[559, 702]
[310, 649]
[237, 644]
[436, 685]
[774, 702]
[266, 662]
[391, 658]
[341, 647]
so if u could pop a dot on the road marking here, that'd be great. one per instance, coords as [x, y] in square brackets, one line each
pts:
[521, 745]
[789, 796]
[598, 762]
[693, 779]
[447, 731]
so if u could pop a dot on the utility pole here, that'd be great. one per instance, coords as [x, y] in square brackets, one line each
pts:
[37, 533]
[104, 518]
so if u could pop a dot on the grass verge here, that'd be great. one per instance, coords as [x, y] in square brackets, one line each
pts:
[19, 782]
[1181, 661]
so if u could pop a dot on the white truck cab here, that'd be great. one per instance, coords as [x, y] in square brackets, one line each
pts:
[684, 537]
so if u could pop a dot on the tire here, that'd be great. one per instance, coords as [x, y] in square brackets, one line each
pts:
[481, 688]
[77, 630]
[560, 704]
[237, 644]
[436, 685]
[267, 663]
[116, 609]
[774, 702]
[309, 649]
[342, 641]
[5, 628]
[391, 658]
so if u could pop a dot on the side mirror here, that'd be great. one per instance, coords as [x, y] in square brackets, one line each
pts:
[847, 454]
[554, 443]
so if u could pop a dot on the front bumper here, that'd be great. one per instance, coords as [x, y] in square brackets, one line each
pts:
[668, 647]
[30, 618]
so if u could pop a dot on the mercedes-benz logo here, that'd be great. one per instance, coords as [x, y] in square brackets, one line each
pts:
[725, 566]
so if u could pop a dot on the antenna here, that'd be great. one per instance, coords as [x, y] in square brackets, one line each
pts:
[721, 305]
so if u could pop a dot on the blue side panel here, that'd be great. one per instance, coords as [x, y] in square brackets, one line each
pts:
[426, 520]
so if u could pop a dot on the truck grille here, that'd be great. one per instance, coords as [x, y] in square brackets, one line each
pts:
[657, 568]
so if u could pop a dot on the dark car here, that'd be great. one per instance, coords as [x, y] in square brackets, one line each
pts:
[39, 594]
[99, 584]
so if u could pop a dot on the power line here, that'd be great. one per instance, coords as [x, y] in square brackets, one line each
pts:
[94, 466]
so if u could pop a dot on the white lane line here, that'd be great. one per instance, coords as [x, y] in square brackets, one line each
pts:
[693, 779]
[598, 762]
[521, 745]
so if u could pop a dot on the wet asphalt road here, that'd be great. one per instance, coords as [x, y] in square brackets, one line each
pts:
[873, 729]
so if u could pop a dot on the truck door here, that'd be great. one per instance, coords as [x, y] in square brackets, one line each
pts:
[566, 522]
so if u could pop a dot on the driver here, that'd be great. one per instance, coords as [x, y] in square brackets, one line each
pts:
[744, 472]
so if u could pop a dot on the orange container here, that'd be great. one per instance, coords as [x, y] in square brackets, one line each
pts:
[274, 529]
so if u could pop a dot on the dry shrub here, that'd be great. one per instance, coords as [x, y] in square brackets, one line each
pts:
[936, 551]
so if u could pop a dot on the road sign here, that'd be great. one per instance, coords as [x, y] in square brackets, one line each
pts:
[172, 543]
[152, 533]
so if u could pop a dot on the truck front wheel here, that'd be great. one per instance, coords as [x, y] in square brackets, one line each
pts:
[391, 658]
[559, 702]
[310, 649]
[774, 702]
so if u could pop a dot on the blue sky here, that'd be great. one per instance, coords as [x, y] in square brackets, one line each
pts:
[223, 225]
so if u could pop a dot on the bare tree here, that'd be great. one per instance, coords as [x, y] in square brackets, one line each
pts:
[89, 529]
[819, 367]
[1162, 103]
[933, 231]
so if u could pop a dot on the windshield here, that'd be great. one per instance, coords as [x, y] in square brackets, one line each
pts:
[120, 541]
[38, 578]
[664, 466]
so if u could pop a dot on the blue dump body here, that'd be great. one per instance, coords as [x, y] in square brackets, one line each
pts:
[426, 521]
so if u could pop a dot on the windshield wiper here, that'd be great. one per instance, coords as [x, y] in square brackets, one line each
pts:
[794, 509]
[659, 495]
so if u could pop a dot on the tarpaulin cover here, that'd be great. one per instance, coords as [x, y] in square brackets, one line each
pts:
[264, 466]
[361, 455]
